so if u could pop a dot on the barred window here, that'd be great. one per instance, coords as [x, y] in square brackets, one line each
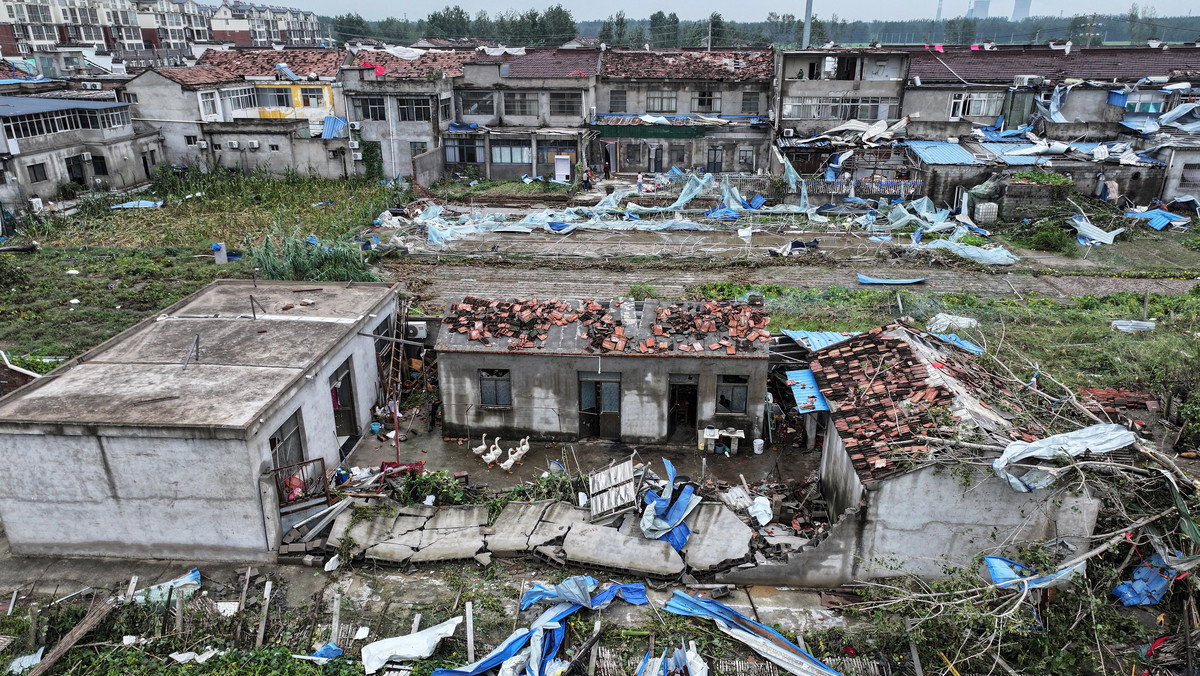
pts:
[839, 107]
[616, 101]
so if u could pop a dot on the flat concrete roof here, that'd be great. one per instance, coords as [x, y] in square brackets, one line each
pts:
[245, 364]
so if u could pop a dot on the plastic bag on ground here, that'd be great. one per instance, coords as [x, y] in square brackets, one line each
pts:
[411, 647]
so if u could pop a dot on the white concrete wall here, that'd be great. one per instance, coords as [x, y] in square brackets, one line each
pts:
[83, 491]
[923, 521]
[839, 482]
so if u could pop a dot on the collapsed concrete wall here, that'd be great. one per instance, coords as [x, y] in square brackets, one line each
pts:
[924, 521]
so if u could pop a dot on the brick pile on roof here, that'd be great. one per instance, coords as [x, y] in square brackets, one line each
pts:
[450, 63]
[263, 62]
[1096, 63]
[547, 62]
[1112, 399]
[722, 327]
[877, 391]
[743, 325]
[197, 76]
[727, 65]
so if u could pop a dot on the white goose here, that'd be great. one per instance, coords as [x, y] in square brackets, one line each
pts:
[492, 455]
[517, 454]
[524, 445]
[482, 447]
[507, 464]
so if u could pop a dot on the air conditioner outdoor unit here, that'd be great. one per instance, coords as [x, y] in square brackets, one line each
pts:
[92, 85]
[202, 144]
[354, 145]
[253, 145]
[87, 157]
[357, 157]
[355, 126]
[233, 145]
[1027, 80]
[416, 330]
[789, 133]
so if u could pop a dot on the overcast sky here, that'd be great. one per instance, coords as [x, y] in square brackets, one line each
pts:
[746, 10]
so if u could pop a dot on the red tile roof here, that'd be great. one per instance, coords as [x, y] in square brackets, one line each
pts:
[1097, 63]
[450, 63]
[547, 62]
[728, 65]
[262, 62]
[197, 76]
[881, 393]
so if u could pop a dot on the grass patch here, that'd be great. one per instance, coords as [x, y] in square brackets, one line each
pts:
[461, 189]
[115, 288]
[222, 206]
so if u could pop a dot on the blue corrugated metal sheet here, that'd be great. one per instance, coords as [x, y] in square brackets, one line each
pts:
[804, 389]
[332, 126]
[942, 152]
[998, 149]
[817, 340]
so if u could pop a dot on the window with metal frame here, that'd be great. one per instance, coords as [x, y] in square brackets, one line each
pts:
[274, 97]
[99, 165]
[520, 103]
[511, 151]
[706, 101]
[37, 172]
[477, 103]
[287, 442]
[312, 97]
[633, 152]
[463, 151]
[414, 108]
[1144, 102]
[208, 103]
[372, 108]
[750, 101]
[566, 104]
[731, 393]
[616, 101]
[746, 159]
[660, 101]
[976, 104]
[678, 155]
[417, 147]
[240, 98]
[495, 388]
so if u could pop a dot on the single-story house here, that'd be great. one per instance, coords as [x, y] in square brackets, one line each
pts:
[636, 371]
[886, 390]
[198, 433]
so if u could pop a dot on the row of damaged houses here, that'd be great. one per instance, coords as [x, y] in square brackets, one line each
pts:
[879, 121]
[211, 433]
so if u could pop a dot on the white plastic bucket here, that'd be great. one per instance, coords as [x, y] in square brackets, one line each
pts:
[758, 446]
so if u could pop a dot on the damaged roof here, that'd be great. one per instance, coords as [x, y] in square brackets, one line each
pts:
[263, 62]
[546, 62]
[882, 387]
[198, 76]
[725, 329]
[999, 65]
[942, 152]
[727, 65]
[450, 63]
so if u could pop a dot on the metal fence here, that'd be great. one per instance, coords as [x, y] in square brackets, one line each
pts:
[301, 486]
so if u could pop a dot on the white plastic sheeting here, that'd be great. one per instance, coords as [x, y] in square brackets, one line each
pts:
[1084, 227]
[411, 647]
[942, 322]
[1097, 439]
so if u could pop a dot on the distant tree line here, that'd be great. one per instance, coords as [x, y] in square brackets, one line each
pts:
[556, 25]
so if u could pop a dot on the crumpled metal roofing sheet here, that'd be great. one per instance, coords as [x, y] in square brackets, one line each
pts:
[1158, 218]
[942, 152]
[998, 149]
[804, 389]
[818, 340]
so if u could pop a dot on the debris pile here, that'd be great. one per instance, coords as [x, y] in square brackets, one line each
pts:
[1110, 400]
[522, 321]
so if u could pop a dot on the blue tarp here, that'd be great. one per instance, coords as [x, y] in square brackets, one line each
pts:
[459, 126]
[332, 125]
[577, 590]
[961, 342]
[138, 204]
[758, 201]
[664, 515]
[763, 639]
[513, 644]
[863, 279]
[804, 389]
[328, 651]
[1158, 218]
[1009, 574]
[1149, 584]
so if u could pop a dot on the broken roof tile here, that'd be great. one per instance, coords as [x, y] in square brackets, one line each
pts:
[448, 63]
[685, 64]
[263, 62]
[999, 65]
[198, 76]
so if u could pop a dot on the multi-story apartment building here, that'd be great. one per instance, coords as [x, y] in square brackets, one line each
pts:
[170, 28]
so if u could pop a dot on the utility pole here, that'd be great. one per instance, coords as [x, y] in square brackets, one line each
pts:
[806, 42]
[710, 32]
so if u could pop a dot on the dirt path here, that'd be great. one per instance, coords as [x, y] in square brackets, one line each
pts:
[438, 283]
